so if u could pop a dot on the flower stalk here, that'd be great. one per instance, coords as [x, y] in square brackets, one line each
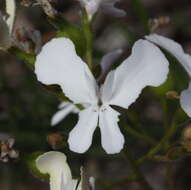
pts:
[86, 24]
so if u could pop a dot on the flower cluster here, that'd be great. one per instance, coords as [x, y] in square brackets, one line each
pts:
[7, 151]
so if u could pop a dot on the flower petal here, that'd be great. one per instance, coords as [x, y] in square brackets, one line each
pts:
[111, 137]
[147, 66]
[70, 185]
[91, 6]
[54, 163]
[80, 138]
[64, 104]
[108, 60]
[185, 100]
[59, 64]
[11, 10]
[108, 6]
[174, 48]
[5, 38]
[61, 114]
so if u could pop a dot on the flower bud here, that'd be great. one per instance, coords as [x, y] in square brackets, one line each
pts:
[186, 138]
[56, 140]
[172, 95]
[6, 150]
[156, 23]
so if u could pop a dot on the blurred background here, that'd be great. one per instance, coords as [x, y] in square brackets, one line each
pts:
[26, 107]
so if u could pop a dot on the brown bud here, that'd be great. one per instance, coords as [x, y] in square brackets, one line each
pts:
[186, 138]
[4, 148]
[172, 95]
[156, 23]
[26, 3]
[56, 140]
[175, 153]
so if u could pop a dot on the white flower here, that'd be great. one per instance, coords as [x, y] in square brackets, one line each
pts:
[59, 64]
[6, 25]
[55, 164]
[108, 6]
[185, 59]
[65, 108]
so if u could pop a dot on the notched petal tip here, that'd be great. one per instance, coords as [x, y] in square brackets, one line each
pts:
[111, 137]
[146, 66]
[58, 63]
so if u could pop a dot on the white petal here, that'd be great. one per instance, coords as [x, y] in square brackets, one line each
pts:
[92, 182]
[185, 100]
[61, 114]
[80, 138]
[174, 48]
[147, 66]
[5, 38]
[69, 185]
[107, 87]
[10, 9]
[108, 60]
[64, 104]
[108, 6]
[59, 64]
[91, 6]
[111, 137]
[54, 163]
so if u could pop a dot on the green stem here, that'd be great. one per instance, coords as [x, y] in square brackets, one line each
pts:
[28, 58]
[141, 14]
[88, 37]
[159, 146]
[143, 137]
[165, 114]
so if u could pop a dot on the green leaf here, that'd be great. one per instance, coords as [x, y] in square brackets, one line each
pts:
[164, 88]
[71, 31]
[28, 58]
[76, 35]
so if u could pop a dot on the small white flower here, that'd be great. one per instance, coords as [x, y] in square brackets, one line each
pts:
[59, 64]
[6, 25]
[55, 164]
[108, 6]
[65, 108]
[177, 51]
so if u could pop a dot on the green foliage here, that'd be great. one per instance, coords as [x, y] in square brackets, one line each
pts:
[72, 32]
[28, 58]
